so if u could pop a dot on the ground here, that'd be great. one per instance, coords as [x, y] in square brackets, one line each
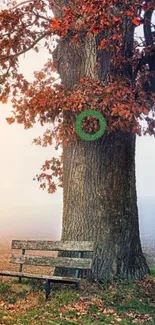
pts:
[120, 303]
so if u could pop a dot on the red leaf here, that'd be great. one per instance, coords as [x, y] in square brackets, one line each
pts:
[116, 18]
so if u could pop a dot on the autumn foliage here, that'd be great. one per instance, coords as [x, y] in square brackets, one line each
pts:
[125, 99]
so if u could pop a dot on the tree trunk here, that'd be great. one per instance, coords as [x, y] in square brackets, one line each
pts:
[99, 188]
[100, 204]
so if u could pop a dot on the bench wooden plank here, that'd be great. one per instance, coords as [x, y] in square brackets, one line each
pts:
[39, 276]
[66, 262]
[73, 246]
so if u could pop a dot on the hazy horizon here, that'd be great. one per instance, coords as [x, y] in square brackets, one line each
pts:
[45, 222]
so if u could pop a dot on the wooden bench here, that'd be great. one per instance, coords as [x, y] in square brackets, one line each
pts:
[77, 263]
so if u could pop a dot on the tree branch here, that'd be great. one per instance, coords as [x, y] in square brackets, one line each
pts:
[147, 27]
[20, 4]
[28, 49]
[40, 16]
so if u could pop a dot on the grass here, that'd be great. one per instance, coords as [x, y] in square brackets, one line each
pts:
[121, 303]
[153, 271]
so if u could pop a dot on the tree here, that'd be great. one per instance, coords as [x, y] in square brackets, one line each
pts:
[102, 68]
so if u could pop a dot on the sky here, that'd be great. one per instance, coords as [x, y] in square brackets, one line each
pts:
[21, 199]
[25, 207]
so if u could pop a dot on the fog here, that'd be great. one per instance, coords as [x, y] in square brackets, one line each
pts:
[31, 222]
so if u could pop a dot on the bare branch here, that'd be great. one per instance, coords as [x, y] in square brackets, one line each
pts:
[40, 16]
[20, 4]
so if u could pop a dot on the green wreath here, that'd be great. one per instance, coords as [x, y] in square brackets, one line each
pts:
[78, 125]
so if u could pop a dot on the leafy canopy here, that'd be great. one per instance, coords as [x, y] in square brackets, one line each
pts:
[125, 98]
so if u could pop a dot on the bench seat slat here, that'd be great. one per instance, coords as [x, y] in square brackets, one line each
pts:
[39, 276]
[66, 262]
[74, 246]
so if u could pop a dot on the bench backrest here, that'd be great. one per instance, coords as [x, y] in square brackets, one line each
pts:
[65, 262]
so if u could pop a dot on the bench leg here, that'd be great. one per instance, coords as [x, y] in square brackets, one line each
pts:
[77, 285]
[47, 288]
[19, 280]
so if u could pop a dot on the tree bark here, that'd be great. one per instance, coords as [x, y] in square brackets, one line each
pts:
[100, 204]
[99, 186]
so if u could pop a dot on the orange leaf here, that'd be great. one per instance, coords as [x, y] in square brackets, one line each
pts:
[95, 31]
[136, 21]
[10, 120]
[116, 18]
[102, 44]
[129, 13]
[55, 23]
[5, 100]
[65, 109]
[108, 90]
[114, 110]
